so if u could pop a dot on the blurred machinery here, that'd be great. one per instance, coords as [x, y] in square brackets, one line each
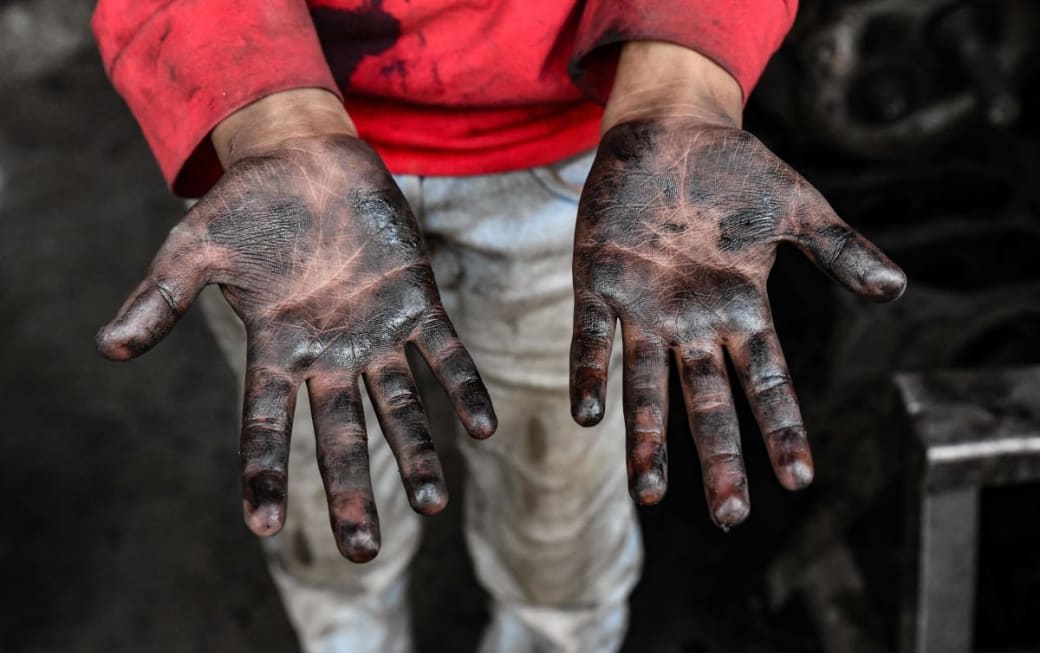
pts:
[918, 120]
[884, 78]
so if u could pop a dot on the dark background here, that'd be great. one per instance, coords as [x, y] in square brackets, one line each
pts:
[122, 529]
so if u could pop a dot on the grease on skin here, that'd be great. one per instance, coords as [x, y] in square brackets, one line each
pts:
[318, 253]
[677, 232]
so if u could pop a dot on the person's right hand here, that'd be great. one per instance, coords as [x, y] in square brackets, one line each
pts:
[317, 252]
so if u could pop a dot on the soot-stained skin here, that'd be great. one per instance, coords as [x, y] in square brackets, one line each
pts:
[677, 232]
[318, 253]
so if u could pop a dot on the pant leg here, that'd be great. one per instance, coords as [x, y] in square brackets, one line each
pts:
[335, 605]
[549, 522]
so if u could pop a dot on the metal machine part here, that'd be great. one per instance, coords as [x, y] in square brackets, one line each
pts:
[973, 303]
[973, 430]
[884, 77]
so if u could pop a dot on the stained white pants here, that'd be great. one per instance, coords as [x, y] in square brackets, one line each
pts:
[548, 520]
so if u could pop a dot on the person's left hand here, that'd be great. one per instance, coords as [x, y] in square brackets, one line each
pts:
[677, 231]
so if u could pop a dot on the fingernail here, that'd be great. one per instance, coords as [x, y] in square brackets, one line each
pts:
[590, 410]
[358, 542]
[429, 497]
[110, 347]
[263, 520]
[731, 512]
[800, 474]
[886, 283]
[264, 503]
[483, 424]
[649, 488]
[101, 341]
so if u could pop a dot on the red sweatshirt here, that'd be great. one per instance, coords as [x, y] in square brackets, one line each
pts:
[448, 87]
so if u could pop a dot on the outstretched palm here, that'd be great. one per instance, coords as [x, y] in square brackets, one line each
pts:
[677, 232]
[318, 253]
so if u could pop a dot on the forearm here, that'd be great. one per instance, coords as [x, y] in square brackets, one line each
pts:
[654, 79]
[659, 79]
[261, 127]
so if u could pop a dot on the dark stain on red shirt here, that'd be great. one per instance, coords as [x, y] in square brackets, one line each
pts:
[348, 36]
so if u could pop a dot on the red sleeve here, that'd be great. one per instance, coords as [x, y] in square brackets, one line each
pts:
[184, 65]
[739, 35]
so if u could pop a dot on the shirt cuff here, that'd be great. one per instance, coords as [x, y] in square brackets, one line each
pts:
[739, 35]
[184, 65]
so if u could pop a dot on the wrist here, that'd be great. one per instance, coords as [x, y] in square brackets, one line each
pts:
[656, 79]
[264, 125]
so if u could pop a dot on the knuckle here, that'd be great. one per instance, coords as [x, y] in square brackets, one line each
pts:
[788, 436]
[265, 424]
[418, 460]
[770, 382]
[402, 403]
[455, 365]
[708, 404]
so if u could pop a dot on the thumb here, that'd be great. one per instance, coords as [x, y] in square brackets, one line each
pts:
[176, 276]
[843, 253]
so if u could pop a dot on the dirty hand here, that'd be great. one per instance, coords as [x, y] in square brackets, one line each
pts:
[317, 252]
[677, 231]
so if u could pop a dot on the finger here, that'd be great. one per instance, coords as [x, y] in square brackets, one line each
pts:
[844, 254]
[401, 414]
[342, 443]
[266, 425]
[760, 363]
[645, 403]
[591, 346]
[455, 371]
[716, 432]
[176, 276]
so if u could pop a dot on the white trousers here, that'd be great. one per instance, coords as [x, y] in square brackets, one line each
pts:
[548, 519]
